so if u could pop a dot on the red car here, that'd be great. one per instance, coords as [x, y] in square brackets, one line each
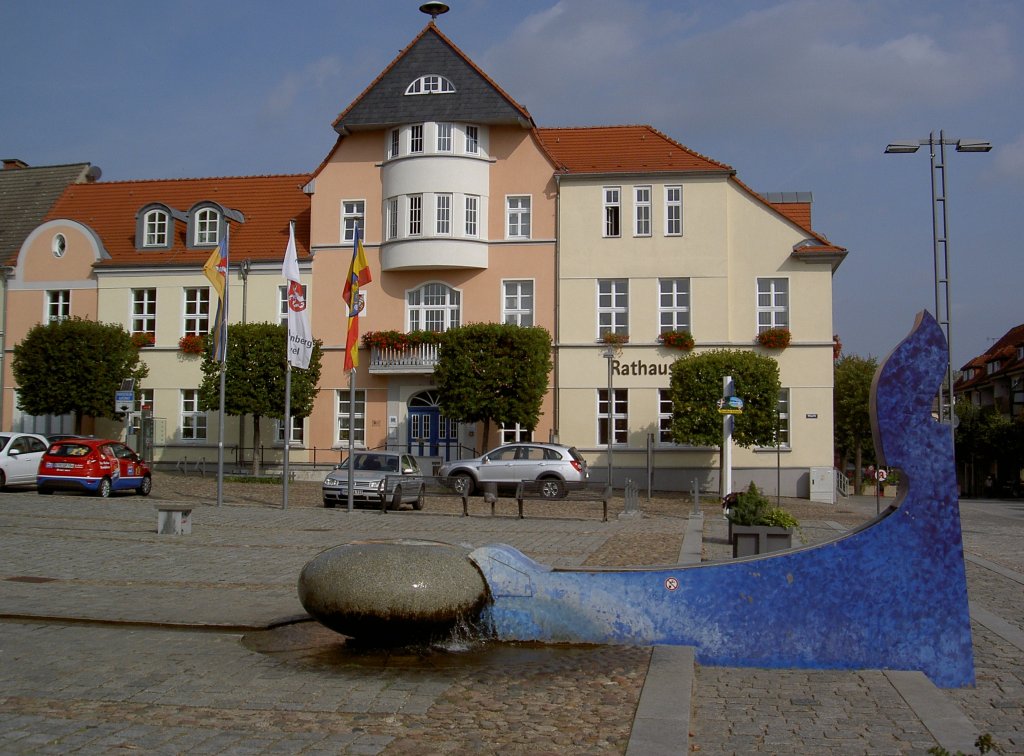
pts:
[98, 466]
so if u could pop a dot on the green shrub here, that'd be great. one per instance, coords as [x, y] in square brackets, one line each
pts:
[753, 508]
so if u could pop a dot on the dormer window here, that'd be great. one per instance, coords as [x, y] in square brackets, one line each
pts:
[207, 227]
[59, 245]
[155, 224]
[430, 84]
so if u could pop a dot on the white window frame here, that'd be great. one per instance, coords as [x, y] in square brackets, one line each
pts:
[298, 434]
[784, 410]
[517, 302]
[674, 305]
[612, 306]
[445, 142]
[58, 305]
[472, 136]
[59, 245]
[193, 420]
[434, 306]
[472, 203]
[674, 210]
[195, 311]
[391, 217]
[155, 227]
[518, 211]
[511, 434]
[207, 227]
[620, 416]
[143, 313]
[341, 418]
[430, 84]
[394, 143]
[416, 139]
[772, 303]
[353, 212]
[415, 215]
[641, 211]
[612, 215]
[443, 214]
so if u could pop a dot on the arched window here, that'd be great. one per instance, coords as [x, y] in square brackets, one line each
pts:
[207, 226]
[430, 84]
[433, 307]
[155, 224]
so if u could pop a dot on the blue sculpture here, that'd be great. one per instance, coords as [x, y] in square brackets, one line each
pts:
[891, 595]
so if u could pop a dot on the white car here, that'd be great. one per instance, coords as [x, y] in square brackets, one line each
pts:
[20, 454]
[554, 465]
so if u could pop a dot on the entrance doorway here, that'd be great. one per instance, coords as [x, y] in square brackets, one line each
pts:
[431, 434]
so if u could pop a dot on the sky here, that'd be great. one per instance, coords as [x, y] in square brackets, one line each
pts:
[797, 95]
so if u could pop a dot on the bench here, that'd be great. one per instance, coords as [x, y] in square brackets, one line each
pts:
[559, 490]
[430, 487]
[173, 519]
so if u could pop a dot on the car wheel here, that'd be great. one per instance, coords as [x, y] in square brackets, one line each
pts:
[103, 491]
[146, 486]
[396, 499]
[3, 480]
[462, 484]
[44, 491]
[552, 488]
[418, 504]
[329, 503]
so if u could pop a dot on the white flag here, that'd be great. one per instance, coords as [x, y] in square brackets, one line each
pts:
[300, 339]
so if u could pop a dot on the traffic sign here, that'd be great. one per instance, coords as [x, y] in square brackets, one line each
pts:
[124, 401]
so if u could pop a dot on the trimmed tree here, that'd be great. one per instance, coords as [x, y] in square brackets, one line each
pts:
[99, 356]
[255, 377]
[851, 399]
[696, 387]
[493, 372]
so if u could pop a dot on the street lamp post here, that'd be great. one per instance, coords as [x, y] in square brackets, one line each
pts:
[609, 354]
[940, 246]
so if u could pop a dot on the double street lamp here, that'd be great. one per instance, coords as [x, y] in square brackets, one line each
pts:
[940, 245]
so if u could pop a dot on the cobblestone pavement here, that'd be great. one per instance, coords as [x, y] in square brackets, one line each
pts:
[177, 660]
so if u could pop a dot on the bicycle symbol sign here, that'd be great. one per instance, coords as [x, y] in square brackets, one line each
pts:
[671, 584]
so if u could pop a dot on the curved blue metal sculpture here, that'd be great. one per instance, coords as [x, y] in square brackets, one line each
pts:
[892, 594]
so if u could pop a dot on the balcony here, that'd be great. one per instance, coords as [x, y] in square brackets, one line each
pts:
[410, 359]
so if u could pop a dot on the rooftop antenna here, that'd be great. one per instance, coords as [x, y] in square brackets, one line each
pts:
[433, 9]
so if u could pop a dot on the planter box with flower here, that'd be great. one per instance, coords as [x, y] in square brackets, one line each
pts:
[774, 338]
[415, 351]
[142, 340]
[613, 339]
[192, 344]
[756, 527]
[682, 340]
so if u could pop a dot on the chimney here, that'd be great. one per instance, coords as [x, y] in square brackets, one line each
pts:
[13, 164]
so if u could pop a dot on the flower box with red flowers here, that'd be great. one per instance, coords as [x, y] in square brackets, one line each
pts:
[142, 340]
[677, 340]
[192, 344]
[774, 338]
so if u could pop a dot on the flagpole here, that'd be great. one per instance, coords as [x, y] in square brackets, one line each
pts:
[351, 434]
[287, 424]
[223, 325]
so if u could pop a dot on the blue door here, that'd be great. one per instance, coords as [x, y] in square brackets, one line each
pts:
[431, 434]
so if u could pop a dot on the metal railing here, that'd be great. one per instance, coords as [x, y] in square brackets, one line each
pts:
[842, 482]
[407, 359]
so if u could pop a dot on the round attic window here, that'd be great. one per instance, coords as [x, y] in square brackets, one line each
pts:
[60, 245]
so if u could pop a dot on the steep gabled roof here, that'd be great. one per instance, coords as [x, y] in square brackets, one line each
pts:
[26, 194]
[476, 98]
[266, 202]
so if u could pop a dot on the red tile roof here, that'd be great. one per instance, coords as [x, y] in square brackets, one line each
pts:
[622, 149]
[267, 202]
[1005, 350]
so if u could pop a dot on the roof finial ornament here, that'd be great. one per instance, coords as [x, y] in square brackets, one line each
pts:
[433, 9]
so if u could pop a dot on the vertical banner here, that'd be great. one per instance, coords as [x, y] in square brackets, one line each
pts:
[300, 339]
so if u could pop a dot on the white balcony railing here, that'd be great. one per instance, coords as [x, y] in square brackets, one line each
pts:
[415, 358]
